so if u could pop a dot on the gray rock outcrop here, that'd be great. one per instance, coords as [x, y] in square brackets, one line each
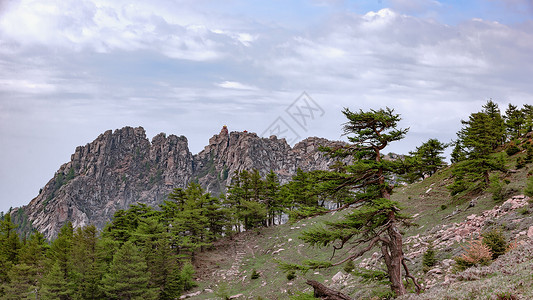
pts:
[123, 167]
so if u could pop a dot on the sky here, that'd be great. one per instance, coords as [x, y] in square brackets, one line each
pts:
[72, 69]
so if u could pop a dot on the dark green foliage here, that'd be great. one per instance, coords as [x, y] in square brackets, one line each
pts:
[495, 240]
[514, 120]
[291, 275]
[367, 276]
[22, 283]
[512, 150]
[496, 188]
[144, 260]
[187, 276]
[87, 267]
[429, 259]
[255, 274]
[425, 160]
[473, 155]
[128, 275]
[55, 285]
[349, 266]
[529, 154]
[443, 207]
[375, 220]
[520, 162]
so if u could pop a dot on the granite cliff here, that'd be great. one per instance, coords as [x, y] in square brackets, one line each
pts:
[123, 167]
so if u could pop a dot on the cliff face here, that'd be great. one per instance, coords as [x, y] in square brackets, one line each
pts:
[123, 167]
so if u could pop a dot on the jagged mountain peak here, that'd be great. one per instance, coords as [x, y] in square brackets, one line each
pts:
[122, 167]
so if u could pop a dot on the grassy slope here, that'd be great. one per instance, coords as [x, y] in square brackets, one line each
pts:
[254, 250]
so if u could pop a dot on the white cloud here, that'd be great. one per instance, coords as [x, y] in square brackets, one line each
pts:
[235, 85]
[72, 69]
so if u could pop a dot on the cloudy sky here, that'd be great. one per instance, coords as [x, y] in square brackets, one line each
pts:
[71, 69]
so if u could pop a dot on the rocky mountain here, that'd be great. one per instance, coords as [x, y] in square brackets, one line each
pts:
[123, 167]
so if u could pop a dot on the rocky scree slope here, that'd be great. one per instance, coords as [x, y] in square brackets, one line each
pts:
[123, 167]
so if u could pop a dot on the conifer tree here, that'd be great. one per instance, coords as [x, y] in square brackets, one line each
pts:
[527, 111]
[477, 146]
[514, 119]
[55, 285]
[496, 127]
[87, 268]
[271, 197]
[9, 249]
[22, 283]
[427, 159]
[376, 221]
[128, 277]
[188, 219]
[9, 240]
[60, 253]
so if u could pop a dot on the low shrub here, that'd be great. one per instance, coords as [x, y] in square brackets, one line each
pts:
[529, 187]
[477, 253]
[520, 162]
[349, 266]
[512, 150]
[429, 259]
[496, 242]
[496, 188]
[255, 274]
[291, 275]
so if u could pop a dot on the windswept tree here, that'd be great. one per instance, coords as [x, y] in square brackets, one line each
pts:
[376, 220]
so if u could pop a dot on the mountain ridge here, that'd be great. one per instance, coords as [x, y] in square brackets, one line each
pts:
[124, 167]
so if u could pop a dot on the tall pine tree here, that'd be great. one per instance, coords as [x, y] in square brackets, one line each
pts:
[128, 277]
[376, 221]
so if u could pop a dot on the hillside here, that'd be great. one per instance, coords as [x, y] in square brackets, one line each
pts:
[123, 167]
[448, 222]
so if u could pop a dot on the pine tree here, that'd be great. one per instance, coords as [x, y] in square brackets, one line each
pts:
[477, 146]
[496, 127]
[128, 276]
[22, 283]
[427, 158]
[376, 221]
[9, 240]
[60, 253]
[514, 119]
[87, 267]
[9, 249]
[271, 196]
[55, 285]
[527, 111]
[188, 219]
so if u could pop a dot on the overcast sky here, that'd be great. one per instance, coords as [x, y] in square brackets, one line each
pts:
[71, 69]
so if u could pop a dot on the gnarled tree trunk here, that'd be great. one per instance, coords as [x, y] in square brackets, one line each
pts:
[323, 292]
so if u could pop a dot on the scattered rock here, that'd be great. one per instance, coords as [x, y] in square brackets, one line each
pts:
[277, 251]
[447, 262]
[530, 232]
[191, 295]
[337, 277]
[235, 296]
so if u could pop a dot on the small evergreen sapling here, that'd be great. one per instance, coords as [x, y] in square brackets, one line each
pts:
[529, 187]
[428, 259]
